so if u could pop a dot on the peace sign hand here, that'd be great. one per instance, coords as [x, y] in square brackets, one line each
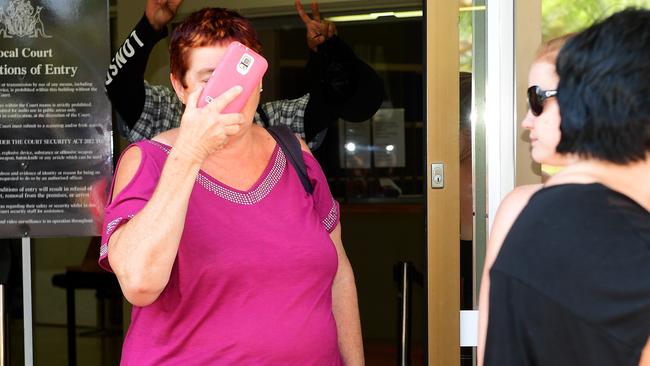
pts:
[318, 31]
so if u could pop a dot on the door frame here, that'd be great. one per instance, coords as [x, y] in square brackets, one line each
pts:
[513, 33]
[443, 207]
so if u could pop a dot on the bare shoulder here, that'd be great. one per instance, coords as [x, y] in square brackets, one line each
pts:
[168, 137]
[126, 169]
[508, 211]
[518, 198]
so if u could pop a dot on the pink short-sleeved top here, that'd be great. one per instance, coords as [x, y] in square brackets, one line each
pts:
[252, 280]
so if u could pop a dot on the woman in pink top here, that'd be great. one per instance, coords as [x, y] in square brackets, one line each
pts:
[224, 256]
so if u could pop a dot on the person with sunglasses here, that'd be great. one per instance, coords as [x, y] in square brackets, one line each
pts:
[536, 97]
[543, 124]
[571, 282]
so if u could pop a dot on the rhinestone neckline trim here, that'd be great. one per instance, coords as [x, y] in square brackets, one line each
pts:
[250, 197]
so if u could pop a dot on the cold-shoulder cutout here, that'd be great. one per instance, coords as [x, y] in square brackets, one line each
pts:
[136, 177]
[127, 168]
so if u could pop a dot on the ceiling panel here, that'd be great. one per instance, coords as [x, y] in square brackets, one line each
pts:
[258, 8]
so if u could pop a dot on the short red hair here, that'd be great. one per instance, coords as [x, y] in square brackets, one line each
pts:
[207, 27]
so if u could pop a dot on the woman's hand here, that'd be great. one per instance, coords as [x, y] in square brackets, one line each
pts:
[204, 131]
[318, 31]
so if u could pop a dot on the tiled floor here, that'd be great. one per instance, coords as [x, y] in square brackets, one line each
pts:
[50, 349]
[380, 353]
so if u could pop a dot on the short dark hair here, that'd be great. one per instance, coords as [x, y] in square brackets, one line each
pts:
[604, 89]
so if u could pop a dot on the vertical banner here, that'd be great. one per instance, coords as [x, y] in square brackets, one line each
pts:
[55, 119]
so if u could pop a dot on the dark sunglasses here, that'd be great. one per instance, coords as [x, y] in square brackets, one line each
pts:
[536, 98]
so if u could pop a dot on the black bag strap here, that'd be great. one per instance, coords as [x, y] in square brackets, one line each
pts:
[291, 149]
[263, 116]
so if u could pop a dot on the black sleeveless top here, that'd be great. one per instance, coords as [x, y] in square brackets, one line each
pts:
[571, 284]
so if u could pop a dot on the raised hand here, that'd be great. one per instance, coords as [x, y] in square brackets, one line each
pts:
[161, 12]
[204, 131]
[318, 31]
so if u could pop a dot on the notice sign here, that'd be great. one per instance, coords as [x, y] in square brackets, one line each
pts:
[55, 120]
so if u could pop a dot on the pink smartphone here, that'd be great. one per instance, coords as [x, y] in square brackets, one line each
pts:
[239, 66]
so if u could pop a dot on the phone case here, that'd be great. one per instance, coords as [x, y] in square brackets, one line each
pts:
[239, 66]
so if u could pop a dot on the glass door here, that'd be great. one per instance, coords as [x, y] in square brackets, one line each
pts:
[376, 170]
[410, 242]
[456, 53]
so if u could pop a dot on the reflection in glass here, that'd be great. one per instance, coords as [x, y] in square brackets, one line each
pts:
[375, 170]
[472, 47]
